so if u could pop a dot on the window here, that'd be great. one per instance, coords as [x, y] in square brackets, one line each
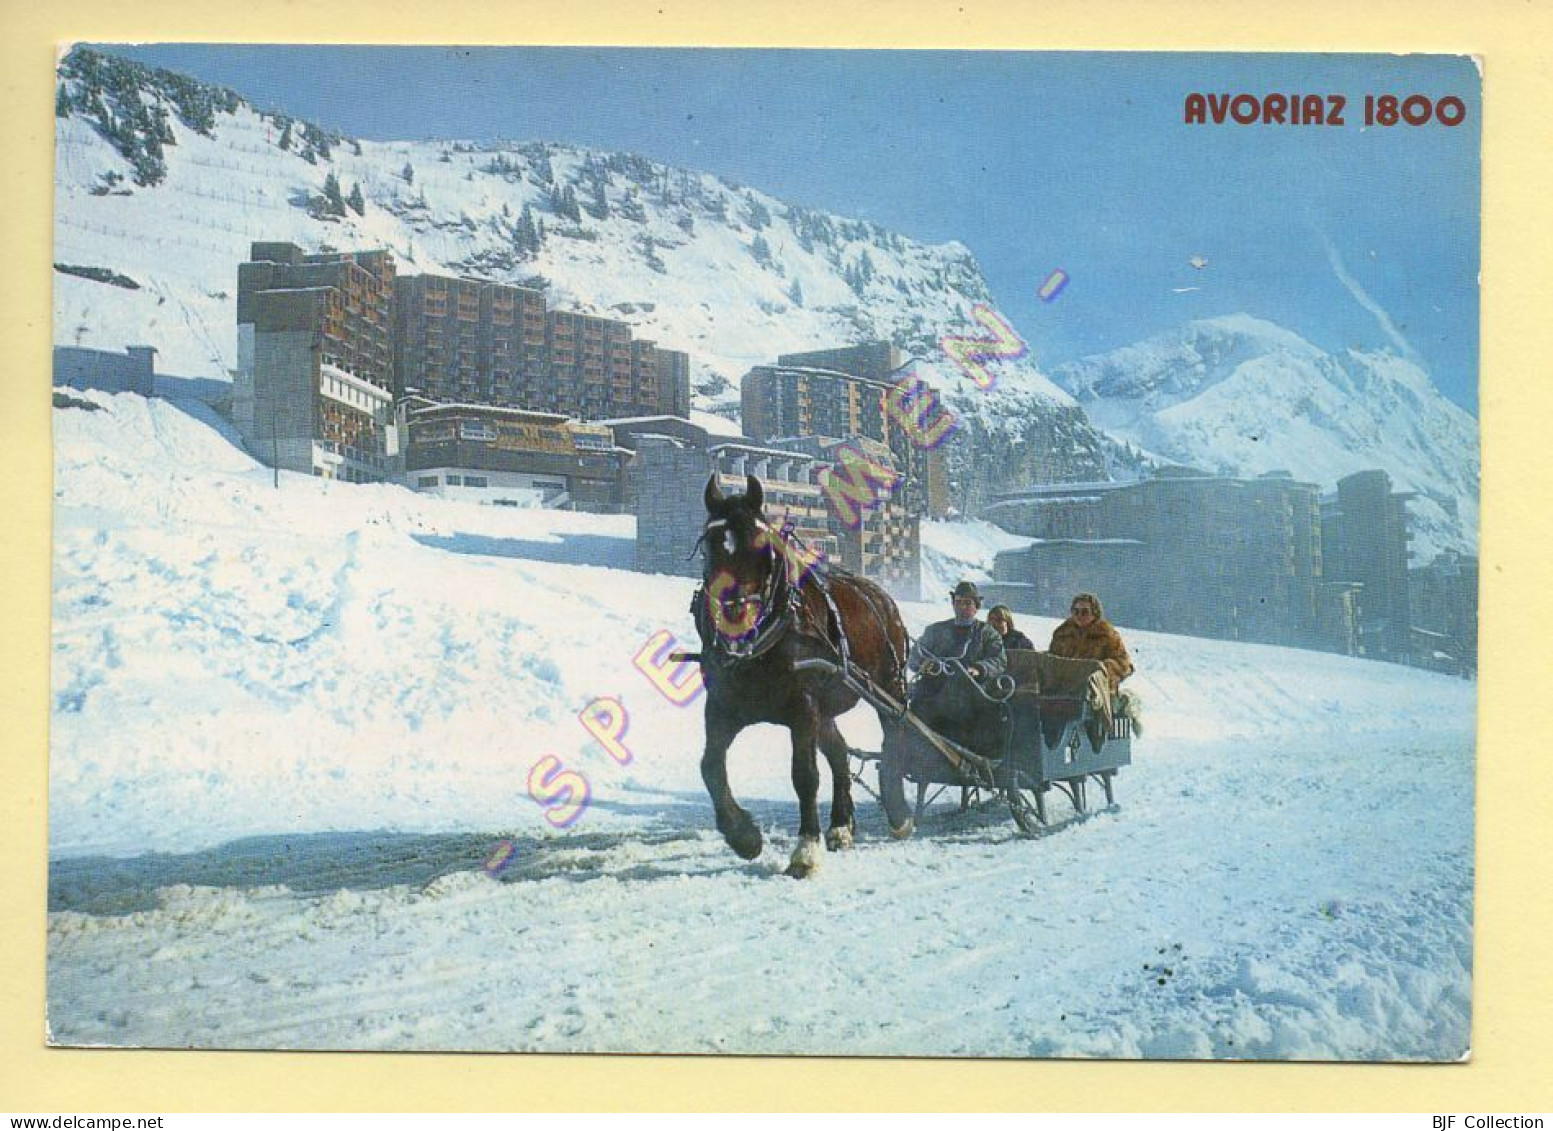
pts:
[455, 481]
[426, 481]
[475, 481]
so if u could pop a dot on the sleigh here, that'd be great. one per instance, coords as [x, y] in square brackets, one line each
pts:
[1054, 735]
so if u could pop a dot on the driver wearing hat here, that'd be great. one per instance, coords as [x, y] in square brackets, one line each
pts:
[973, 643]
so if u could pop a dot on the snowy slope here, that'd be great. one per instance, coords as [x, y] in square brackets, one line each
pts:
[316, 707]
[962, 551]
[1241, 395]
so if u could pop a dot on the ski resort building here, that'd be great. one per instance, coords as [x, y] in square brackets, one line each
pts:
[478, 342]
[1444, 596]
[491, 454]
[1364, 537]
[327, 342]
[1183, 552]
[667, 477]
[880, 539]
[313, 390]
[878, 361]
[785, 400]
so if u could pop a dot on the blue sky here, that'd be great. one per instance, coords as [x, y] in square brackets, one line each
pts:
[1036, 161]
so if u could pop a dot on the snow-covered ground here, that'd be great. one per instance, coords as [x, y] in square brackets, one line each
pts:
[291, 726]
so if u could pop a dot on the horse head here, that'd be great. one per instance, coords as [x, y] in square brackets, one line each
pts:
[740, 564]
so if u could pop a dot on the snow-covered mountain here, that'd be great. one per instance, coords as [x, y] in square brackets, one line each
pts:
[1241, 395]
[163, 182]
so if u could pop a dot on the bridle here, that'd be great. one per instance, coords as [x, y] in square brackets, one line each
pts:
[778, 601]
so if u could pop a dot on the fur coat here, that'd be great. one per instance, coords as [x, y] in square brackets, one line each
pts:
[1098, 641]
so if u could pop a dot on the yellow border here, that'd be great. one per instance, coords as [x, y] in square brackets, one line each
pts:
[1513, 985]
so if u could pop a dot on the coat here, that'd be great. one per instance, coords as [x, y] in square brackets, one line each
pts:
[983, 647]
[1016, 639]
[1100, 641]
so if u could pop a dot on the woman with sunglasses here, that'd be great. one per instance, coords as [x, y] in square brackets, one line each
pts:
[1087, 635]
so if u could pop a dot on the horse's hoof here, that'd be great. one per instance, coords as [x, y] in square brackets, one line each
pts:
[838, 838]
[745, 840]
[806, 858]
[904, 830]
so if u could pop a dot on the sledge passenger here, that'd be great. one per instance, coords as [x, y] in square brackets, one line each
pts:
[1087, 635]
[1001, 617]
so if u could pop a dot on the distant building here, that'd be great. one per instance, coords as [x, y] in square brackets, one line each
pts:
[1445, 604]
[671, 370]
[884, 543]
[668, 476]
[1183, 552]
[133, 371]
[1337, 616]
[1364, 537]
[313, 389]
[326, 342]
[479, 342]
[790, 400]
[504, 455]
[473, 342]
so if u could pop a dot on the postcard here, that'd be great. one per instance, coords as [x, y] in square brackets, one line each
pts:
[765, 552]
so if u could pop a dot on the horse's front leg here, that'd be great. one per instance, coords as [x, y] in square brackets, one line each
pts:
[843, 819]
[806, 783]
[737, 826]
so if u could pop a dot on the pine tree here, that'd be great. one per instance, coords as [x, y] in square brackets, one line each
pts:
[599, 209]
[540, 157]
[631, 208]
[357, 202]
[332, 195]
[795, 292]
[761, 250]
[756, 214]
[62, 102]
[285, 137]
[408, 173]
[527, 234]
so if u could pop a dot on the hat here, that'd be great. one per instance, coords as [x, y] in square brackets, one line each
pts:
[966, 589]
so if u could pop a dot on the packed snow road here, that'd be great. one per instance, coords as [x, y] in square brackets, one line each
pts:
[1244, 903]
[291, 728]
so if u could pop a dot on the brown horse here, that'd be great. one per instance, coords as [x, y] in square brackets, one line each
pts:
[767, 603]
